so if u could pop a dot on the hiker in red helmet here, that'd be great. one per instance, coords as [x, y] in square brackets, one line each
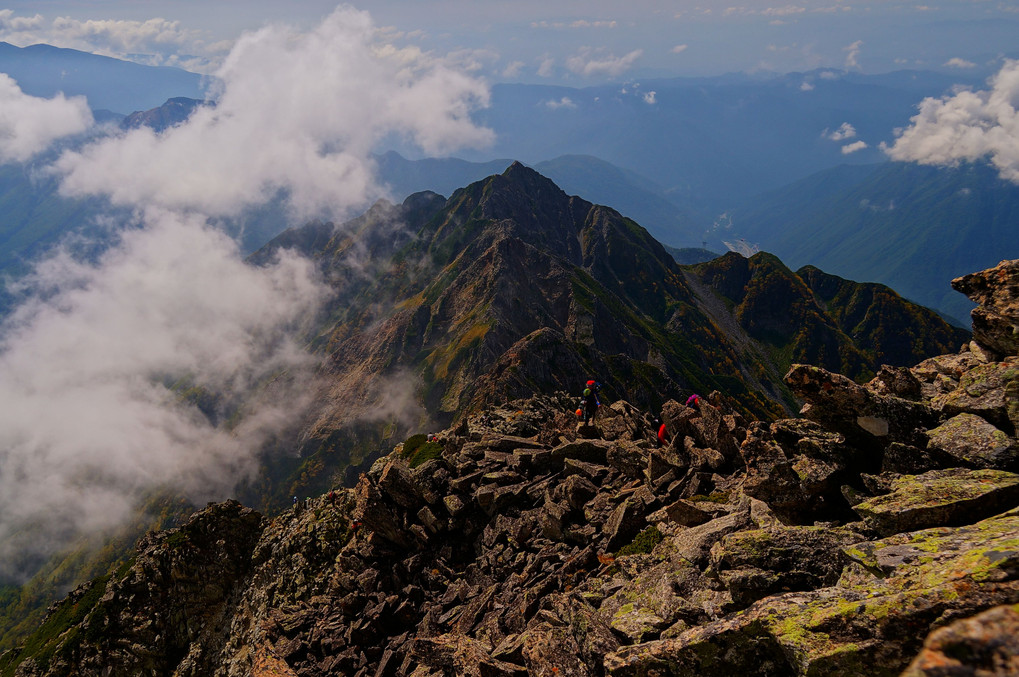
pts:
[590, 403]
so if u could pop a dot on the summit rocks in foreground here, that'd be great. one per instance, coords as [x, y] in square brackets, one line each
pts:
[876, 535]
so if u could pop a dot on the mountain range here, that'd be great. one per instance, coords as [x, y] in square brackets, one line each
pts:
[443, 307]
[686, 158]
[510, 287]
[906, 225]
[873, 536]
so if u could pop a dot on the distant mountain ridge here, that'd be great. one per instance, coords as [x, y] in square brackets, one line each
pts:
[911, 227]
[108, 83]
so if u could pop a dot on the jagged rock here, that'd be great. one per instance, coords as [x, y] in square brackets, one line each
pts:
[940, 375]
[984, 391]
[377, 515]
[986, 645]
[798, 489]
[684, 513]
[625, 522]
[460, 655]
[996, 319]
[940, 497]
[628, 459]
[975, 442]
[896, 381]
[694, 544]
[398, 483]
[904, 459]
[866, 626]
[868, 420]
[755, 563]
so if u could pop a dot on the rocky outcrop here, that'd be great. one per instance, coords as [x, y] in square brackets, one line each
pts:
[877, 534]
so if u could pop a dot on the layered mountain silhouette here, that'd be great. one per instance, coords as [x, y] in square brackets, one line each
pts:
[512, 287]
[109, 84]
[907, 226]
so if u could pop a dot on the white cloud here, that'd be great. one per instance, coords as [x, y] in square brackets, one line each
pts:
[967, 126]
[589, 62]
[87, 422]
[956, 62]
[853, 54]
[650, 98]
[787, 10]
[853, 147]
[298, 113]
[679, 49]
[28, 124]
[10, 24]
[513, 69]
[845, 131]
[546, 68]
[806, 87]
[565, 102]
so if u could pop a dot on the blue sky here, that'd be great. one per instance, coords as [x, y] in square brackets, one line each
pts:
[566, 42]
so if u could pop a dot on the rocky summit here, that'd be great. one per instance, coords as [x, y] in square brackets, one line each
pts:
[876, 534]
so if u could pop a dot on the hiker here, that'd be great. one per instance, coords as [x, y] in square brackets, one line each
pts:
[663, 435]
[297, 505]
[590, 403]
[694, 402]
[332, 498]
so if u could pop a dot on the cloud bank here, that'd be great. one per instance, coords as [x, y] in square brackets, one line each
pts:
[589, 62]
[90, 421]
[168, 361]
[967, 126]
[29, 125]
[297, 113]
[157, 41]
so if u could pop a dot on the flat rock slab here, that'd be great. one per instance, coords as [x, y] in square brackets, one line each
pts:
[940, 498]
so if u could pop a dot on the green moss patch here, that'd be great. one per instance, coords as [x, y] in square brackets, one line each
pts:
[643, 543]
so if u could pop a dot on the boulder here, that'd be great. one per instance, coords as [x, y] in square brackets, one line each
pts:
[975, 442]
[755, 563]
[986, 645]
[869, 421]
[984, 391]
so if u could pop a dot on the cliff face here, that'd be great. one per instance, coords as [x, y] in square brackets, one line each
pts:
[519, 543]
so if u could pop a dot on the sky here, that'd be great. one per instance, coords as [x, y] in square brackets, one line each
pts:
[565, 42]
[92, 362]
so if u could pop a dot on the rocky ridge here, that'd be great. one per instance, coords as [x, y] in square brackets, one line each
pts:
[877, 534]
